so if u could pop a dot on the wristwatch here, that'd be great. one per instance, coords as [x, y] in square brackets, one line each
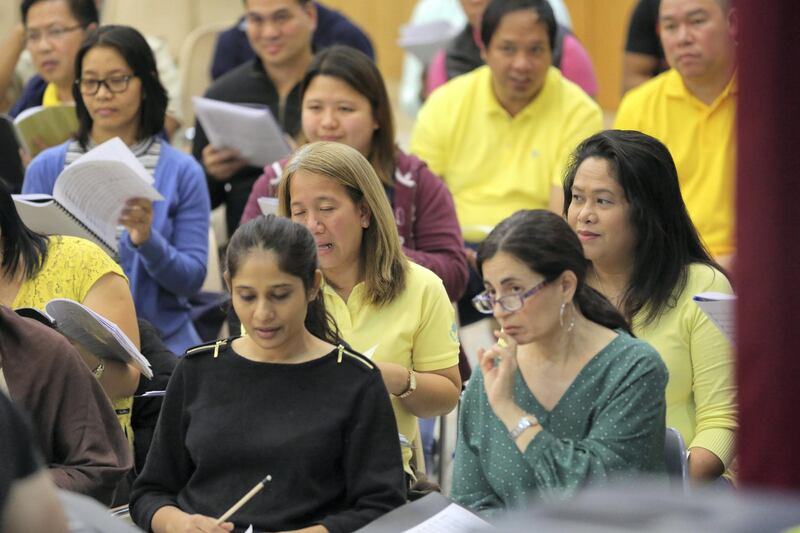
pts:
[412, 385]
[527, 421]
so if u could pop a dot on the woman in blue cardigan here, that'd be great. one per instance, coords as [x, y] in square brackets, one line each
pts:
[164, 246]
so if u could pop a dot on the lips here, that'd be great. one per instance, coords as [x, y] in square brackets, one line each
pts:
[584, 235]
[49, 65]
[324, 248]
[266, 333]
[105, 111]
[331, 138]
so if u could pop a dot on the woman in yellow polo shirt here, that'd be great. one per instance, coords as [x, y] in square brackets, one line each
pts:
[622, 197]
[386, 307]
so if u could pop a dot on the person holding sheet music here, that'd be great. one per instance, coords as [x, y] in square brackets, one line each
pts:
[287, 403]
[622, 197]
[345, 99]
[386, 306]
[79, 438]
[566, 397]
[164, 246]
[280, 32]
[35, 269]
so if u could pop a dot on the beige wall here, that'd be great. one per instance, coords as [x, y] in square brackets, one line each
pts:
[602, 26]
[381, 19]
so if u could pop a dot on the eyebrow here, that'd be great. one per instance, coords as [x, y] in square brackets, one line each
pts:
[276, 286]
[692, 13]
[510, 279]
[594, 191]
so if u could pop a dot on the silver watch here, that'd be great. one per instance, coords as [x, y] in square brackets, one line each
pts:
[527, 421]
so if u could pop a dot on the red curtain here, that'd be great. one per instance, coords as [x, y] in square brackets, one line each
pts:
[768, 230]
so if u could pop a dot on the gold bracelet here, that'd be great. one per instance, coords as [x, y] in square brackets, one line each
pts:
[99, 370]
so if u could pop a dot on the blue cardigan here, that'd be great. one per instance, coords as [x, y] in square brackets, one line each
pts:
[171, 266]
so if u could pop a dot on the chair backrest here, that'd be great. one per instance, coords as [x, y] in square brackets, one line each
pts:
[675, 459]
[213, 281]
[225, 12]
[194, 64]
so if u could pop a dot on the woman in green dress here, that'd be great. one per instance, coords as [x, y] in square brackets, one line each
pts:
[566, 397]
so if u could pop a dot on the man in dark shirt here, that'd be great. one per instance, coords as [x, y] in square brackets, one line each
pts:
[279, 32]
[233, 48]
[644, 57]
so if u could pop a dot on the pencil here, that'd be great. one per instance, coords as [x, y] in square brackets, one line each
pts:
[246, 498]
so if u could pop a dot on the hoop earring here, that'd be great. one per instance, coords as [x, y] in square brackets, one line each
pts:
[561, 317]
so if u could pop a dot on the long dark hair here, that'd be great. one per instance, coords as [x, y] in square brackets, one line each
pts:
[20, 245]
[666, 240]
[358, 71]
[296, 250]
[133, 48]
[547, 245]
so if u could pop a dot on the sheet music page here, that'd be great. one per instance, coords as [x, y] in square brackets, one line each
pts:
[96, 186]
[267, 205]
[426, 39]
[719, 308]
[451, 519]
[253, 131]
[95, 333]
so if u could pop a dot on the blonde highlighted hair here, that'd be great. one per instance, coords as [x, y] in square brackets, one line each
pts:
[382, 259]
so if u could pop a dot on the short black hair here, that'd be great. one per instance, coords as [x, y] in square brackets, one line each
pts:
[497, 9]
[666, 240]
[133, 48]
[84, 11]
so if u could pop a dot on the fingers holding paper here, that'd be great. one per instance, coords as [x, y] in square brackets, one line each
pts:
[222, 163]
[137, 217]
[499, 366]
[196, 523]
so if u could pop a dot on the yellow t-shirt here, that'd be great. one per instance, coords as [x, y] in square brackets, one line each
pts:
[416, 330]
[495, 164]
[50, 96]
[702, 141]
[72, 267]
[701, 392]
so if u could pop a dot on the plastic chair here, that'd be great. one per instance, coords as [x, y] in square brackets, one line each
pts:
[675, 460]
[194, 64]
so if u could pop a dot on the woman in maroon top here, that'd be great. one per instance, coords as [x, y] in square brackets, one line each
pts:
[345, 100]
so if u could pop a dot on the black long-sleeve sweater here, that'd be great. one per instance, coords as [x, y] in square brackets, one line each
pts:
[324, 430]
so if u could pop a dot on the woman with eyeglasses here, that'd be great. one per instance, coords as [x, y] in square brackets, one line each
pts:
[566, 397]
[164, 245]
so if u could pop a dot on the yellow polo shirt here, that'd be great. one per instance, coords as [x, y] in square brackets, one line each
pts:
[701, 392]
[495, 164]
[702, 140]
[50, 96]
[416, 330]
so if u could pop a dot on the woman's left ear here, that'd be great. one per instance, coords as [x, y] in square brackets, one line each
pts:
[569, 283]
[313, 292]
[366, 215]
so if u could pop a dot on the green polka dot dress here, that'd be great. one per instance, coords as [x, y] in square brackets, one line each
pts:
[609, 423]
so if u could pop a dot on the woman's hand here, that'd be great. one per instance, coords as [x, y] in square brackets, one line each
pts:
[499, 365]
[170, 519]
[222, 163]
[395, 377]
[137, 217]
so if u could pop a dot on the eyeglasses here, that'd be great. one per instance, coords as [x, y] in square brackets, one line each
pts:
[115, 84]
[52, 34]
[484, 302]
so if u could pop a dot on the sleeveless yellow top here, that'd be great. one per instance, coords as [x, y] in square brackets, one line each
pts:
[72, 267]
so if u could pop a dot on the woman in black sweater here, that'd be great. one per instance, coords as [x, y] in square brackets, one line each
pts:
[286, 400]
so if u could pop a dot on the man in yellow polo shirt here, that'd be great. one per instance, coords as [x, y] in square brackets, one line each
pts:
[500, 136]
[692, 109]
